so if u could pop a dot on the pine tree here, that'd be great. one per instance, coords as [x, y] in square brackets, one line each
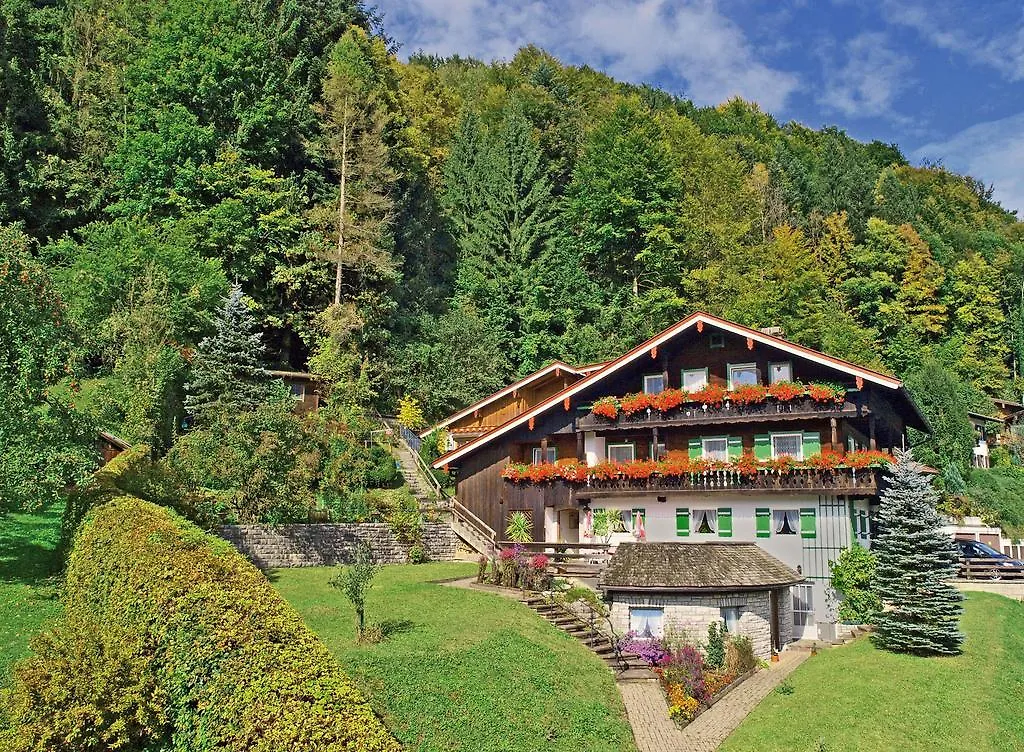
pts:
[227, 371]
[915, 562]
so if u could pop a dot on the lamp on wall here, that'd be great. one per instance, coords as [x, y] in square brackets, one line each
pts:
[662, 499]
[584, 503]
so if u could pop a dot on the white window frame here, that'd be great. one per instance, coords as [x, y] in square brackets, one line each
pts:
[536, 455]
[632, 451]
[799, 434]
[655, 376]
[743, 366]
[778, 518]
[771, 373]
[697, 517]
[704, 448]
[704, 371]
[651, 448]
[731, 615]
[660, 622]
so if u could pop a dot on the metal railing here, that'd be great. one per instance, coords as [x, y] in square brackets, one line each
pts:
[423, 470]
[590, 620]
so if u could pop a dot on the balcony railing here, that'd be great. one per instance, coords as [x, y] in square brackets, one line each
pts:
[864, 481]
[695, 414]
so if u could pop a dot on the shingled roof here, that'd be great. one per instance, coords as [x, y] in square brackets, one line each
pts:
[696, 568]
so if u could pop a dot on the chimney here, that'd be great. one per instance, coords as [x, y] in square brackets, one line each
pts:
[773, 331]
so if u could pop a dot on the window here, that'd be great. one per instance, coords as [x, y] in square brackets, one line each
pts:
[298, 389]
[539, 456]
[716, 341]
[695, 379]
[705, 521]
[657, 451]
[654, 383]
[788, 443]
[786, 521]
[742, 374]
[780, 372]
[715, 449]
[731, 617]
[621, 452]
[647, 623]
[803, 605]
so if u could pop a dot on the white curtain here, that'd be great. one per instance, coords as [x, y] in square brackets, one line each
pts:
[710, 516]
[783, 517]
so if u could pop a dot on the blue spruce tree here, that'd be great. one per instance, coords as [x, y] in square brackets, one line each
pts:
[914, 564]
[227, 372]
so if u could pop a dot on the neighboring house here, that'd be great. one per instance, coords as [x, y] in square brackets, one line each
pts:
[304, 387]
[109, 446]
[805, 518]
[975, 529]
[991, 431]
[684, 587]
[490, 412]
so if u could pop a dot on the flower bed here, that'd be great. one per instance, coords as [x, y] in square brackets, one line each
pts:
[694, 676]
[679, 464]
[716, 396]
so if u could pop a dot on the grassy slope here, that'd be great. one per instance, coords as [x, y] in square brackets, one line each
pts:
[863, 699]
[465, 670]
[28, 591]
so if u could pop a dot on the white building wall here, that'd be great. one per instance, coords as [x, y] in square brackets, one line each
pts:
[809, 556]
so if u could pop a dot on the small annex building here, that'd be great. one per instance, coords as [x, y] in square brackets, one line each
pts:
[684, 587]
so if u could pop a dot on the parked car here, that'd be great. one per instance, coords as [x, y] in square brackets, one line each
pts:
[1001, 564]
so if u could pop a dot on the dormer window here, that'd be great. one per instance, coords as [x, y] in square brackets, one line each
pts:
[716, 341]
[780, 372]
[654, 383]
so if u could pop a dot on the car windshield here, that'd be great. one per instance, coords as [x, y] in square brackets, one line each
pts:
[987, 550]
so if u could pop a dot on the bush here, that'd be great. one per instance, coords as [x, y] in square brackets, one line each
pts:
[238, 668]
[715, 653]
[418, 555]
[853, 575]
[739, 655]
[400, 510]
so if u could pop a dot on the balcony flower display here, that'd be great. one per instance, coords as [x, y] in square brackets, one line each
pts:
[635, 403]
[712, 395]
[668, 399]
[822, 392]
[787, 391]
[749, 394]
[677, 464]
[606, 407]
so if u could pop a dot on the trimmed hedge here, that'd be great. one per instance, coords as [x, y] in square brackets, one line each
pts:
[238, 668]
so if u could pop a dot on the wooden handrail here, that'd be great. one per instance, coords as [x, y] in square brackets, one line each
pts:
[482, 528]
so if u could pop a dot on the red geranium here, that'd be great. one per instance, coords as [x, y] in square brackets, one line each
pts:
[749, 394]
[572, 471]
[827, 460]
[747, 464]
[782, 465]
[674, 465]
[606, 407]
[514, 472]
[668, 400]
[785, 391]
[640, 469]
[712, 395]
[605, 470]
[827, 393]
[867, 458]
[539, 562]
[634, 403]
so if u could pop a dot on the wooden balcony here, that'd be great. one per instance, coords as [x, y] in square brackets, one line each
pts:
[695, 415]
[841, 481]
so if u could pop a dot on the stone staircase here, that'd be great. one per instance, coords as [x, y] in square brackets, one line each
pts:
[625, 666]
[421, 489]
[844, 636]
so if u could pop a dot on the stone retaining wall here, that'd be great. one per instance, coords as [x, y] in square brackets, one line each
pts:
[316, 545]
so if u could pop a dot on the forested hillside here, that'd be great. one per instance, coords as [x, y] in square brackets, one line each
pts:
[436, 228]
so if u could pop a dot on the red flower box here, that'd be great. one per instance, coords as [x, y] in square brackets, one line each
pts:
[786, 391]
[606, 407]
[712, 395]
[635, 403]
[749, 394]
[668, 400]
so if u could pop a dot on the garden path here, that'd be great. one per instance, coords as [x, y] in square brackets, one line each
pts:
[655, 732]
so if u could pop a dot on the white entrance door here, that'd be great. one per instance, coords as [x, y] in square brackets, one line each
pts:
[569, 526]
[804, 626]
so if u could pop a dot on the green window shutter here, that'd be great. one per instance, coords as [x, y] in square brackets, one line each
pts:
[764, 522]
[724, 522]
[763, 446]
[808, 524]
[682, 523]
[735, 447]
[696, 449]
[642, 512]
[812, 443]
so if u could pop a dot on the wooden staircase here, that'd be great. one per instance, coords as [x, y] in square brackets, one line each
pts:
[627, 667]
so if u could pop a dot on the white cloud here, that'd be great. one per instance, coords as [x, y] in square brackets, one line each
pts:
[992, 152]
[958, 28]
[689, 41]
[869, 82]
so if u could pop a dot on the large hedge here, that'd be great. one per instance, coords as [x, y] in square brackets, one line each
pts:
[234, 666]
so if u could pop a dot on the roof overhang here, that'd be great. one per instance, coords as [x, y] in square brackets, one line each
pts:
[523, 382]
[711, 590]
[689, 322]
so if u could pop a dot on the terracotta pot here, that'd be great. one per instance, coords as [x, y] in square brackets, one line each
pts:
[775, 657]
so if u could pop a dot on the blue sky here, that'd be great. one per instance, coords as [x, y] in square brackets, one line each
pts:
[942, 78]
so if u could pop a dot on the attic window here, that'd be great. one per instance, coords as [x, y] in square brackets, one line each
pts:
[716, 341]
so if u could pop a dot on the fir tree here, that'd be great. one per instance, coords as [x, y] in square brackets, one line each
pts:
[227, 370]
[914, 563]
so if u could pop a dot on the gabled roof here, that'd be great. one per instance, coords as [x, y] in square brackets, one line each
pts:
[695, 568]
[523, 382]
[697, 319]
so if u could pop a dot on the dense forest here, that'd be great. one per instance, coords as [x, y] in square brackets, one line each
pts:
[434, 229]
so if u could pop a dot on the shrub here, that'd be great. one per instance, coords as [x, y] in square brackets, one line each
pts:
[739, 655]
[239, 669]
[481, 569]
[418, 554]
[853, 575]
[399, 509]
[355, 580]
[715, 653]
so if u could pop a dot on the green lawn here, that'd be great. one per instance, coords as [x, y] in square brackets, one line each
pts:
[465, 670]
[863, 699]
[28, 589]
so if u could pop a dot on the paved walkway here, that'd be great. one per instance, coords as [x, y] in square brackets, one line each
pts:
[655, 732]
